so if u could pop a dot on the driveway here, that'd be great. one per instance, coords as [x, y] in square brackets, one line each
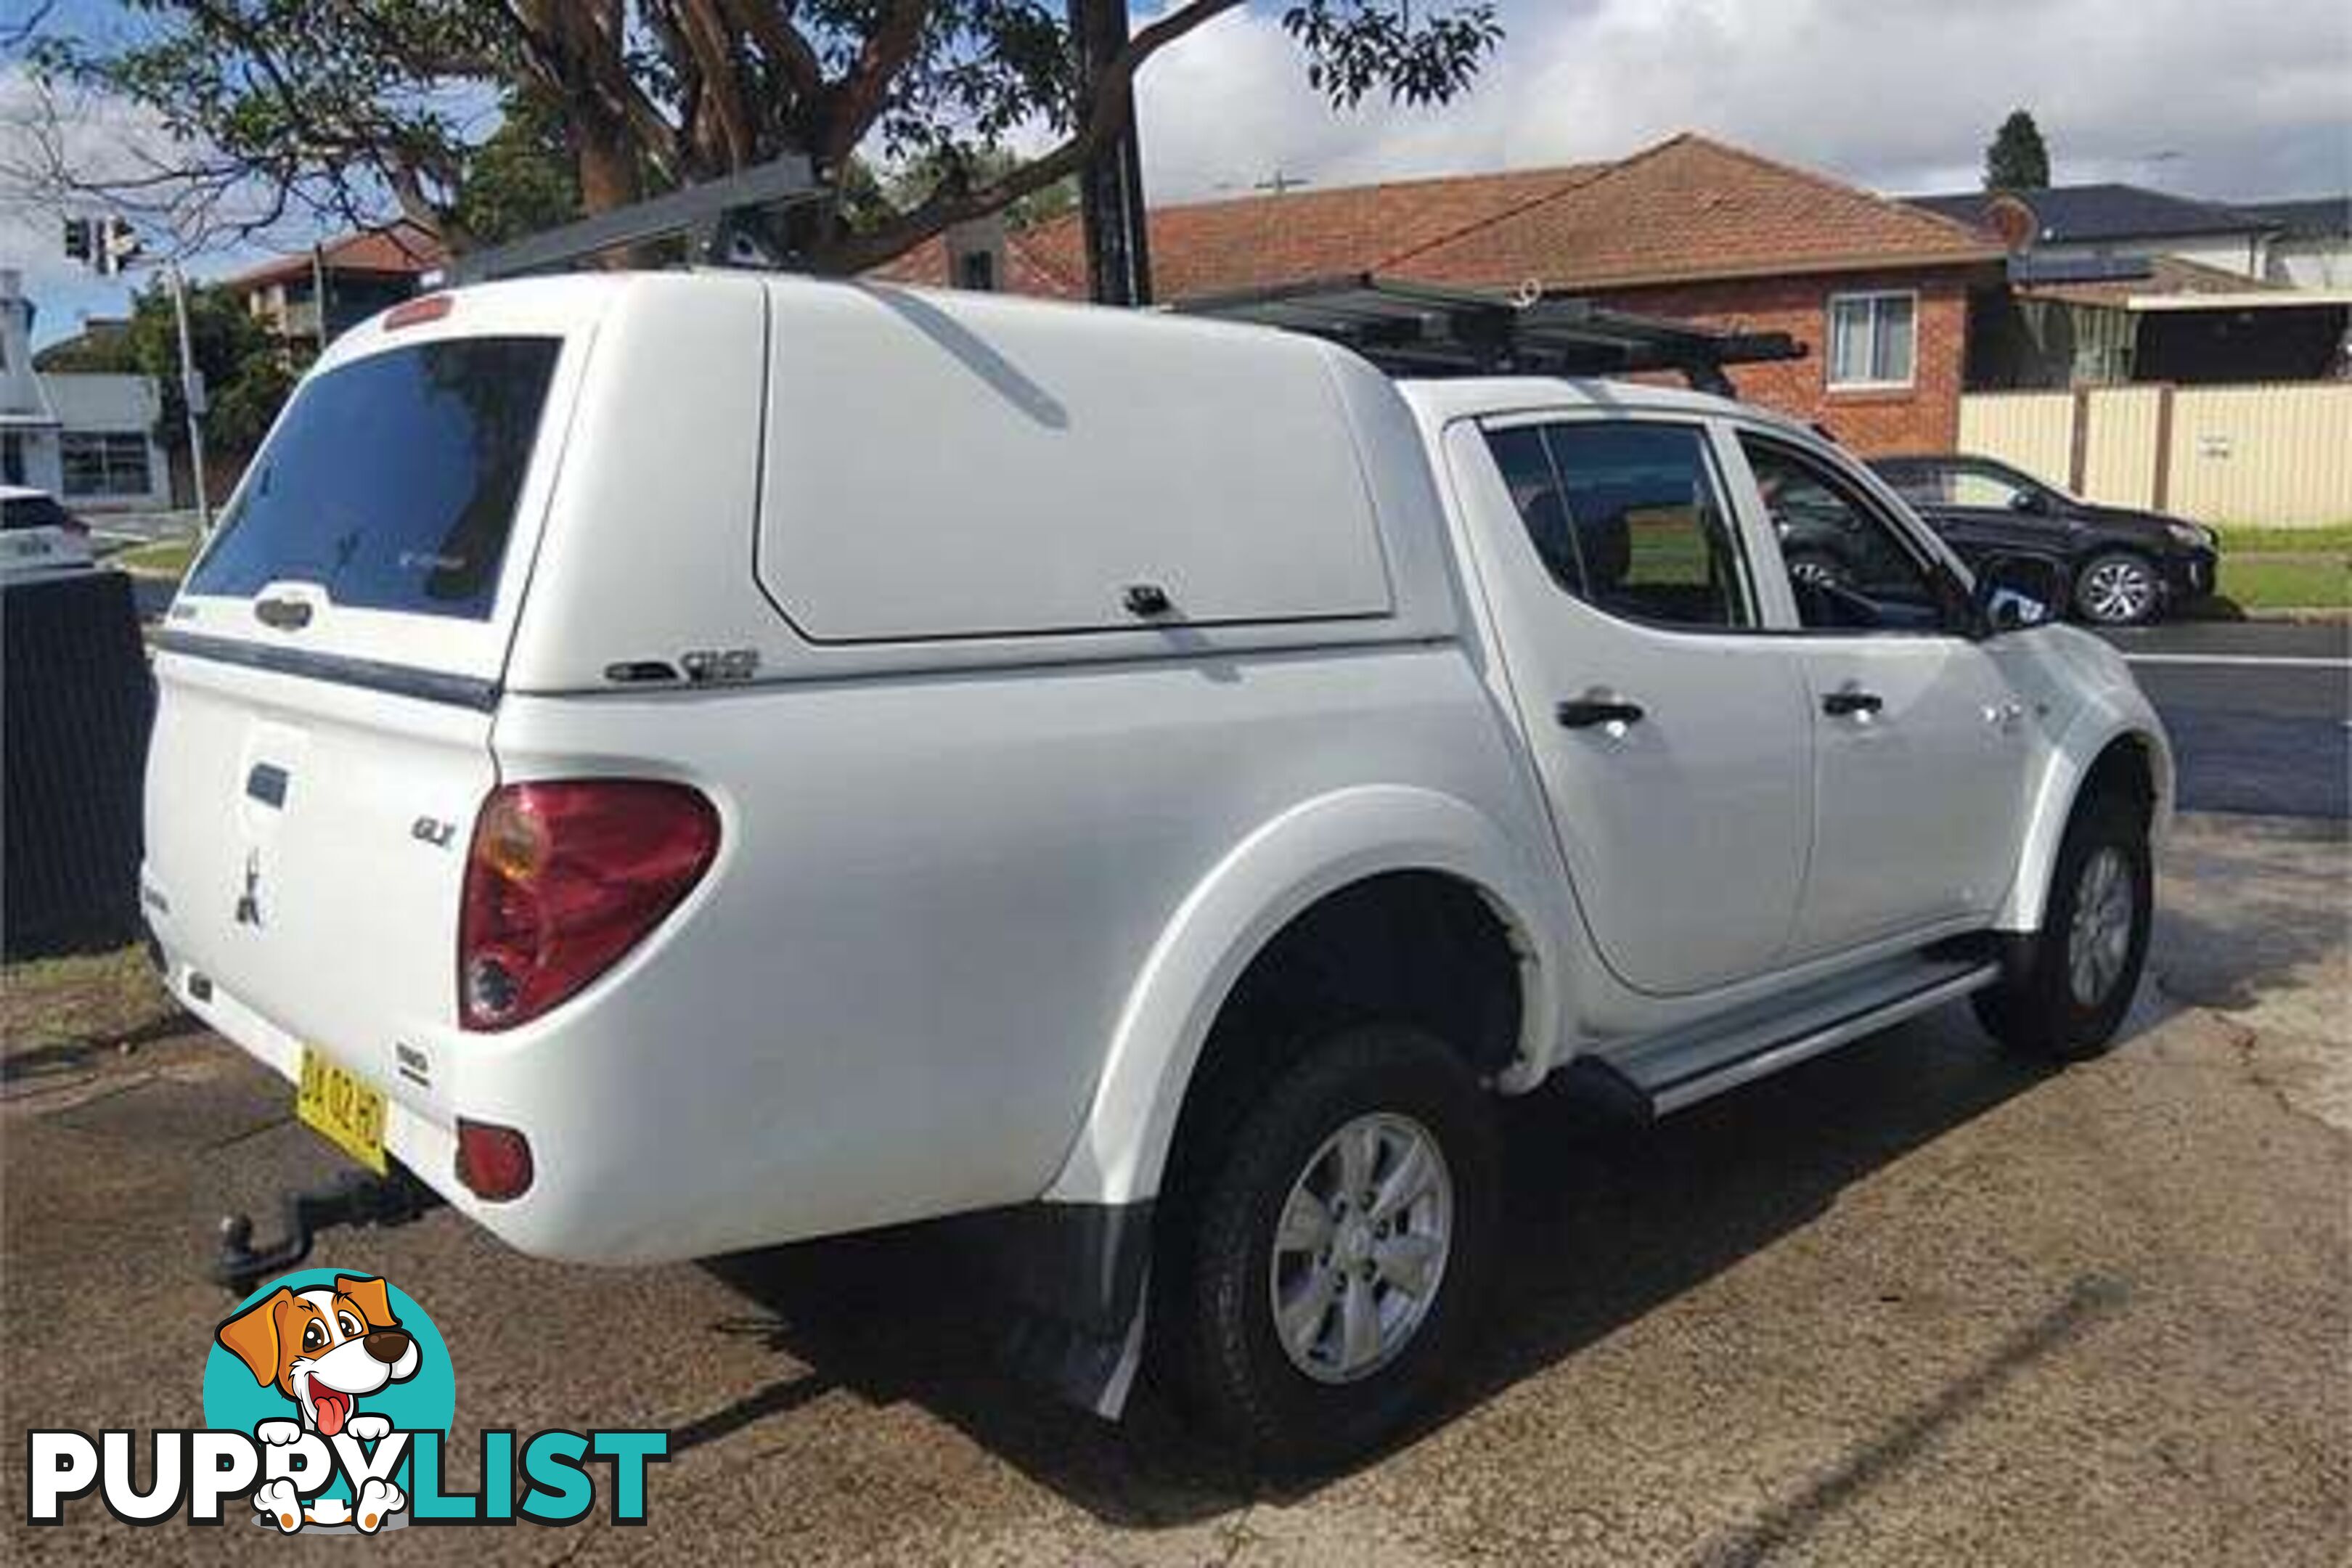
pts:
[1913, 1302]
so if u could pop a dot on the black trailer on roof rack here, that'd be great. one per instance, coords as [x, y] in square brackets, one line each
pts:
[1423, 329]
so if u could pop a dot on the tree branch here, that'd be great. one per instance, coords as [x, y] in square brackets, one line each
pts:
[1113, 106]
[853, 107]
[766, 24]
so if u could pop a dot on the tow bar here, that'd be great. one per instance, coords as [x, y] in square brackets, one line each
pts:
[356, 1199]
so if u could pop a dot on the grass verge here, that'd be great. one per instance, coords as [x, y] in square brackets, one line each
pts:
[164, 558]
[2335, 538]
[2287, 581]
[82, 1001]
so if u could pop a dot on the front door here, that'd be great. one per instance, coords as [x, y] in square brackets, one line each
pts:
[1671, 734]
[1921, 745]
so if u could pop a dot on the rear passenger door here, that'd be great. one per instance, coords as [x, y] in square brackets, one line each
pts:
[1670, 731]
[1921, 744]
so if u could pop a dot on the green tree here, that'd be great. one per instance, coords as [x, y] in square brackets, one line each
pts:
[910, 187]
[2016, 157]
[520, 179]
[346, 108]
[246, 374]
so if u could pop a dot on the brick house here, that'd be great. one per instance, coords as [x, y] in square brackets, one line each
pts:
[361, 273]
[1689, 229]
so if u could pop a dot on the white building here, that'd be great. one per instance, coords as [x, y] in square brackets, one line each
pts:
[87, 438]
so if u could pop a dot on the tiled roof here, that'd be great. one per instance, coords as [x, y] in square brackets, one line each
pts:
[401, 249]
[2308, 217]
[2157, 275]
[1688, 208]
[2074, 214]
[1211, 247]
[1691, 208]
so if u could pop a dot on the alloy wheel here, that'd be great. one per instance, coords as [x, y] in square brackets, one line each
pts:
[2100, 938]
[2119, 591]
[1360, 1248]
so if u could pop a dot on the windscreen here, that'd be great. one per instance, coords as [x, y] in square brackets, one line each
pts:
[391, 481]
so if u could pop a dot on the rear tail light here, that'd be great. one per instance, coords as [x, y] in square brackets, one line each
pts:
[562, 880]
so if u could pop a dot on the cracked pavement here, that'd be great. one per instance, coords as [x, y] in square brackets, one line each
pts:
[1911, 1302]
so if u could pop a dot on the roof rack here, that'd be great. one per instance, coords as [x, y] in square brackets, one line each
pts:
[1423, 329]
[715, 215]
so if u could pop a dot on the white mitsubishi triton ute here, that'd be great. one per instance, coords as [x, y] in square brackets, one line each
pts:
[689, 762]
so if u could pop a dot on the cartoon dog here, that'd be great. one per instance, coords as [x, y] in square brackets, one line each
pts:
[324, 1350]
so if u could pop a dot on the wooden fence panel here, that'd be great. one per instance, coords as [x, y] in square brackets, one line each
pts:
[2277, 455]
[2033, 430]
[2280, 456]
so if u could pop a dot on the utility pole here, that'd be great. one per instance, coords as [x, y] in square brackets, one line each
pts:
[191, 397]
[109, 246]
[1110, 186]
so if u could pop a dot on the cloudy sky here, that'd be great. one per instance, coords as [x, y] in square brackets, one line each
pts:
[2190, 96]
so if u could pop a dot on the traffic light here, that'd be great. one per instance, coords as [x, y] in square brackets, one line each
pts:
[108, 244]
[117, 246]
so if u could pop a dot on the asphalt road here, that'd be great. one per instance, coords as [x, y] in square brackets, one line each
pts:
[2260, 713]
[1912, 1302]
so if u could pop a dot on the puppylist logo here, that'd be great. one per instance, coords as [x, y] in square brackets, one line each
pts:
[328, 1397]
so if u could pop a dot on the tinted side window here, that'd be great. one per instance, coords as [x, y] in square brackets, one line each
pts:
[1628, 517]
[1847, 568]
[1982, 488]
[392, 482]
[32, 511]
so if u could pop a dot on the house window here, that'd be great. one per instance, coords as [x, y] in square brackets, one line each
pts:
[1872, 339]
[105, 463]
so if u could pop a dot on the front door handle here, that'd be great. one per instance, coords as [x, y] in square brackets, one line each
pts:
[1839, 704]
[1585, 713]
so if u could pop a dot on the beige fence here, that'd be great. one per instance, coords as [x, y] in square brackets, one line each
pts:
[2279, 454]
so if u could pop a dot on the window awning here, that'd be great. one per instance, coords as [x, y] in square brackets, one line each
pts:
[1423, 329]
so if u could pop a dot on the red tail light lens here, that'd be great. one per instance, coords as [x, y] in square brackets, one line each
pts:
[562, 880]
[494, 1162]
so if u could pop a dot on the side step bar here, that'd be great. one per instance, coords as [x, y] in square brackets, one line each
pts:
[1668, 1072]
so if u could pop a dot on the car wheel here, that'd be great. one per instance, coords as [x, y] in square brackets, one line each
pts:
[2064, 990]
[2118, 589]
[1335, 1260]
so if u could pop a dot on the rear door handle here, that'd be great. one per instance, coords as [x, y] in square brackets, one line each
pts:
[1585, 713]
[283, 614]
[1839, 704]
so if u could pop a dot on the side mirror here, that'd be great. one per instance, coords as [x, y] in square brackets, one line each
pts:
[2014, 592]
[2028, 501]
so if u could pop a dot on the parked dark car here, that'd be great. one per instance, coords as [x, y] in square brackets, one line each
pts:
[2129, 566]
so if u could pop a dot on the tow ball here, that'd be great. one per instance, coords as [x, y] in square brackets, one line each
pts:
[356, 1199]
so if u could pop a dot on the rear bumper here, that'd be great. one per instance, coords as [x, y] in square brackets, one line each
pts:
[427, 1148]
[634, 1160]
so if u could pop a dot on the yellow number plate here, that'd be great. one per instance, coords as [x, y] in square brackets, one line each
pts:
[341, 1107]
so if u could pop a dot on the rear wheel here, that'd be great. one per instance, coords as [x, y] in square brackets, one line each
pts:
[1335, 1259]
[2118, 589]
[2066, 987]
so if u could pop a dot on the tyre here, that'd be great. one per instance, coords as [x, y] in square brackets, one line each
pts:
[2118, 589]
[1334, 1256]
[2064, 989]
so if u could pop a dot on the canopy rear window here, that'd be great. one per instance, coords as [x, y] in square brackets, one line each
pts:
[391, 481]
